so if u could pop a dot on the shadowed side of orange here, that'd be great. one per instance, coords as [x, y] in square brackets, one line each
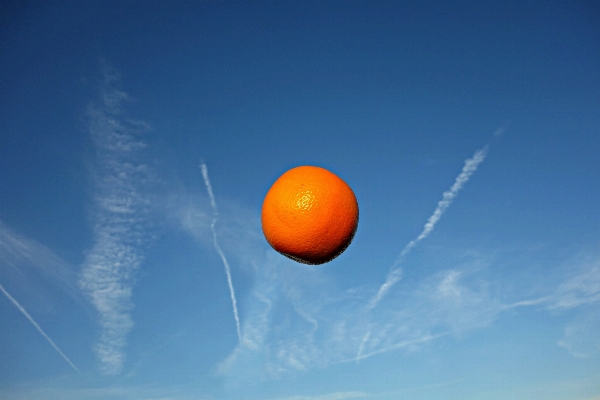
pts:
[310, 215]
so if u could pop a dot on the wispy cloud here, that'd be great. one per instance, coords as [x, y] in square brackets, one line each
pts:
[307, 328]
[581, 335]
[33, 260]
[218, 249]
[581, 289]
[297, 319]
[447, 303]
[395, 273]
[120, 218]
[40, 330]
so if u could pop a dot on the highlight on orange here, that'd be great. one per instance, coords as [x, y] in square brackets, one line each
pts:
[310, 215]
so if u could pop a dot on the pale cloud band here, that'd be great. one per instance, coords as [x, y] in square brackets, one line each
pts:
[120, 222]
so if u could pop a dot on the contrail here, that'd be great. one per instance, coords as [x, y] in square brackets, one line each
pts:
[362, 346]
[404, 343]
[395, 273]
[218, 248]
[26, 314]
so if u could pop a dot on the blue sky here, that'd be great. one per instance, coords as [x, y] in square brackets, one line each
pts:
[140, 138]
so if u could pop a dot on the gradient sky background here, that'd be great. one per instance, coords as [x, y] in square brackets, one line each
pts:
[113, 287]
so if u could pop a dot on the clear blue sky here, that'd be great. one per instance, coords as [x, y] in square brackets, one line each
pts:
[480, 119]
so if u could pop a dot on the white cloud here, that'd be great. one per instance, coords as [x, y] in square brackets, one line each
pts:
[32, 259]
[584, 288]
[580, 292]
[581, 336]
[296, 319]
[31, 264]
[39, 329]
[120, 219]
[395, 274]
[459, 302]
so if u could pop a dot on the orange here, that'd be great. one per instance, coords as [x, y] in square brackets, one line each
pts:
[310, 215]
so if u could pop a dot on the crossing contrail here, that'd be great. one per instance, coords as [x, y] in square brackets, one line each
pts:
[218, 248]
[26, 314]
[395, 273]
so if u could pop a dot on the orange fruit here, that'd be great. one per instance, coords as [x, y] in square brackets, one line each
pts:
[310, 215]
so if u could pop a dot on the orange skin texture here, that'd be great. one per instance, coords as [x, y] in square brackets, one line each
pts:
[310, 215]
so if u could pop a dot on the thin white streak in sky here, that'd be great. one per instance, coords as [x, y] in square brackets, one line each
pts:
[405, 343]
[362, 346]
[213, 203]
[218, 248]
[26, 314]
[527, 303]
[395, 273]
